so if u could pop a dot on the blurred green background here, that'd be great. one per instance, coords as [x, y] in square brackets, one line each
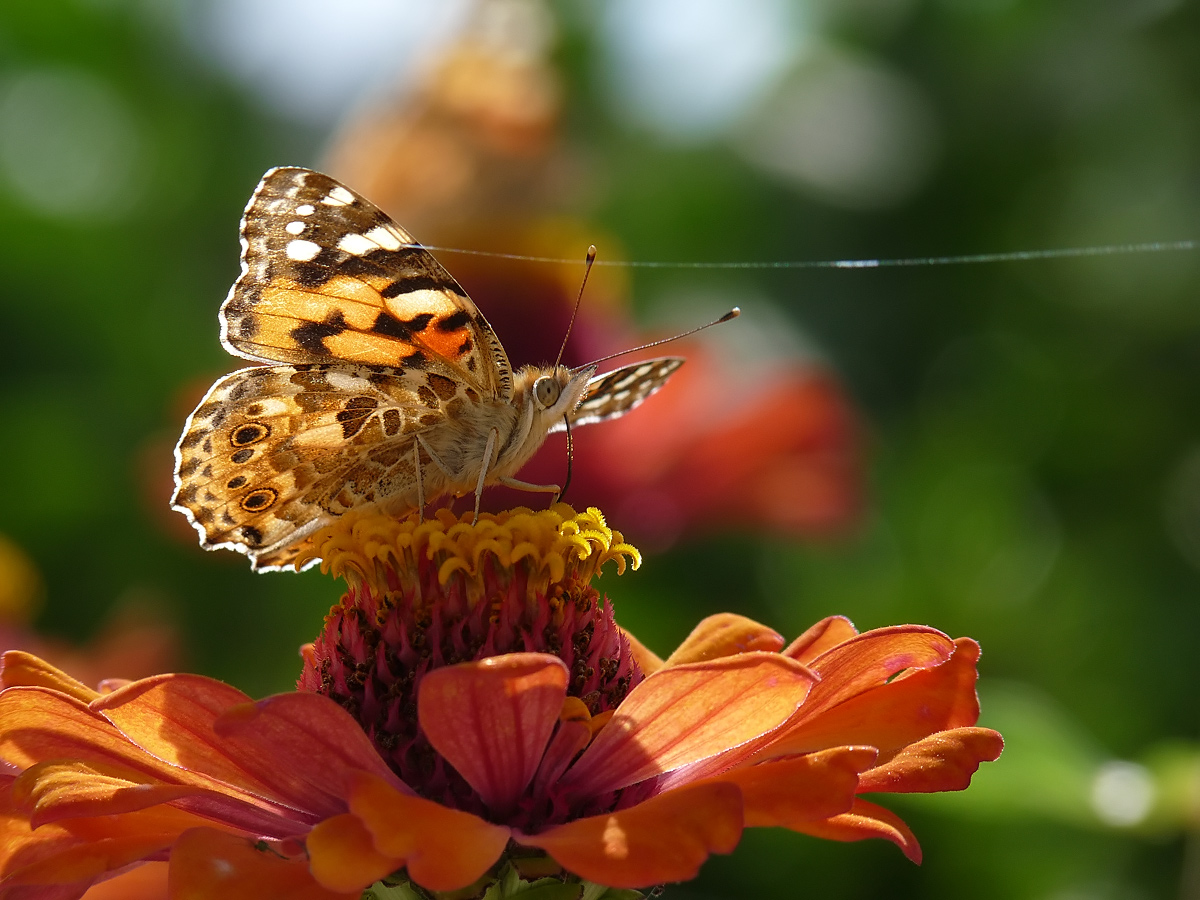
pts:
[1031, 436]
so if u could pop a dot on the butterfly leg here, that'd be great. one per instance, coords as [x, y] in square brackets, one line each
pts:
[532, 488]
[493, 437]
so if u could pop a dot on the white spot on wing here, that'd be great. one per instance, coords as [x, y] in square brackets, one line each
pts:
[384, 237]
[302, 251]
[294, 227]
[338, 196]
[305, 209]
[344, 382]
[356, 244]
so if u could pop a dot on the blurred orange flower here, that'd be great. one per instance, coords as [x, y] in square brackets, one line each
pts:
[472, 157]
[470, 708]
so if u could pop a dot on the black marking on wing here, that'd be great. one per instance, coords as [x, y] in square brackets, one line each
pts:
[615, 393]
[311, 335]
[404, 329]
[455, 321]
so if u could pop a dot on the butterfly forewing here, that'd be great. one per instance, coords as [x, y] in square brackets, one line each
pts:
[328, 276]
[617, 392]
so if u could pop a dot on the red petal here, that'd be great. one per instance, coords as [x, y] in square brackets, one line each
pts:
[492, 719]
[941, 762]
[687, 713]
[207, 864]
[663, 839]
[825, 635]
[722, 635]
[893, 715]
[443, 849]
[344, 857]
[815, 786]
[865, 820]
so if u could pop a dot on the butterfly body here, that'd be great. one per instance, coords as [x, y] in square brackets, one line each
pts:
[388, 387]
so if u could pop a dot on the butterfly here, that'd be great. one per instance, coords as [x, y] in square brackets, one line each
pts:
[384, 385]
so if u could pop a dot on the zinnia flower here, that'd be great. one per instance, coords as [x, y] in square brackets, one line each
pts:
[471, 713]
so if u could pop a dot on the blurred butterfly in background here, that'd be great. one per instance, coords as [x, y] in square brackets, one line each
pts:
[388, 389]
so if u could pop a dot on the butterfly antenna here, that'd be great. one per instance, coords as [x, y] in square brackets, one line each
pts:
[732, 314]
[591, 258]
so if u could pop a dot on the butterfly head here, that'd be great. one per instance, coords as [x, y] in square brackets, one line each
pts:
[553, 392]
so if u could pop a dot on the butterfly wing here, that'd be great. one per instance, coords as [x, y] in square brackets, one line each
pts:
[615, 393]
[326, 275]
[275, 452]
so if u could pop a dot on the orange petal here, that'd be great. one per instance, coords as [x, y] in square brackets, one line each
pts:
[801, 789]
[344, 857]
[723, 635]
[304, 745]
[891, 716]
[171, 717]
[443, 849]
[648, 661]
[73, 788]
[145, 882]
[687, 713]
[39, 724]
[492, 719]
[21, 668]
[80, 850]
[870, 660]
[213, 865]
[941, 762]
[865, 820]
[663, 839]
[825, 635]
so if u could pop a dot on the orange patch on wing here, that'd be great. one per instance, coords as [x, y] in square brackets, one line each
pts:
[297, 304]
[447, 343]
[371, 349]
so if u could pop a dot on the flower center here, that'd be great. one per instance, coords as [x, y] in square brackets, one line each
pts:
[424, 594]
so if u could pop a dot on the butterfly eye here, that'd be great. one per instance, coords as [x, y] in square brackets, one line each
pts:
[546, 391]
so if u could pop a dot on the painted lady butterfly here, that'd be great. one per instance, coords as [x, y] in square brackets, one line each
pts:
[387, 387]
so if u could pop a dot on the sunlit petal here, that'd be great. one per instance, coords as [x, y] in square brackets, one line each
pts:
[890, 716]
[683, 714]
[21, 668]
[722, 635]
[825, 635]
[663, 839]
[941, 762]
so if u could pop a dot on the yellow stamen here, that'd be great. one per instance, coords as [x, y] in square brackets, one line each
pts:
[547, 546]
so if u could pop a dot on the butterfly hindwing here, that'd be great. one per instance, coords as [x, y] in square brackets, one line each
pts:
[328, 276]
[275, 452]
[617, 392]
